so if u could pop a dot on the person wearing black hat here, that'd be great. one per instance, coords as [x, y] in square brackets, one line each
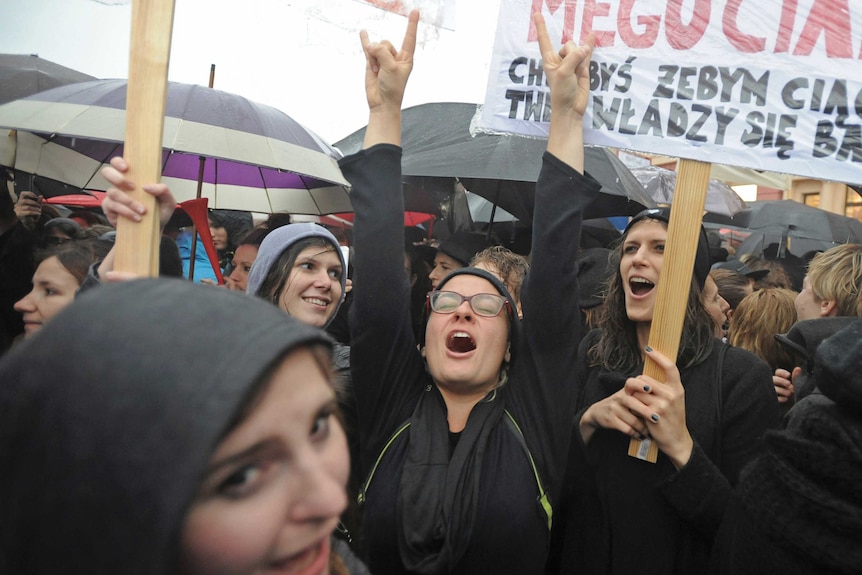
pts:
[594, 272]
[455, 252]
[798, 507]
[463, 438]
[802, 341]
[622, 515]
[740, 267]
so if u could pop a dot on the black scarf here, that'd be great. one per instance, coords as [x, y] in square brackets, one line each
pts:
[438, 495]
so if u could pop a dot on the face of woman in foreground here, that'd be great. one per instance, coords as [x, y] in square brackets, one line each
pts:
[640, 266]
[313, 289]
[274, 488]
[53, 289]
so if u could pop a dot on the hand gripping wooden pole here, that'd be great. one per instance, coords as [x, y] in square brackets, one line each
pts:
[137, 244]
[683, 234]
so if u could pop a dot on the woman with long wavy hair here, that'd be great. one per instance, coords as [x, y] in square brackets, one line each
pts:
[622, 514]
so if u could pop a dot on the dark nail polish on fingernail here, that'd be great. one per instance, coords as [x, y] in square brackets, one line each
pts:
[654, 417]
[642, 437]
[647, 388]
[647, 349]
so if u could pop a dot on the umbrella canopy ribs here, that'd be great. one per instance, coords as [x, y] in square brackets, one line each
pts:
[257, 158]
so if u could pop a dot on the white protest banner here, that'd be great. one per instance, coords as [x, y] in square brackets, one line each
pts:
[440, 13]
[767, 84]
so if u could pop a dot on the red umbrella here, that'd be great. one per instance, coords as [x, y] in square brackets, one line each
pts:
[88, 200]
[410, 218]
[195, 208]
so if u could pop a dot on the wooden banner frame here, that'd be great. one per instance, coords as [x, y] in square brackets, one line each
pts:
[683, 234]
[137, 244]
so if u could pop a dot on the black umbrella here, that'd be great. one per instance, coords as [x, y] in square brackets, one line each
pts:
[791, 225]
[439, 142]
[25, 74]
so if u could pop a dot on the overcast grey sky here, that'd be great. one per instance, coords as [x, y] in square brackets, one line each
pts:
[301, 56]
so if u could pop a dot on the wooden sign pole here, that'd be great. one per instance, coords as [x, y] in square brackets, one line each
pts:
[683, 234]
[137, 244]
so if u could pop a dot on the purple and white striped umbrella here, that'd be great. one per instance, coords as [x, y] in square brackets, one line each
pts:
[256, 158]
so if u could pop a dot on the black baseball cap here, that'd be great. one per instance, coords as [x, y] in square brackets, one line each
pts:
[739, 267]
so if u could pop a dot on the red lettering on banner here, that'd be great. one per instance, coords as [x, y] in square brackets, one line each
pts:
[831, 18]
[627, 34]
[828, 18]
[593, 8]
[389, 5]
[785, 26]
[743, 42]
[684, 36]
[553, 6]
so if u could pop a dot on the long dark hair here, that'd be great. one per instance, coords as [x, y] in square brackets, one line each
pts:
[617, 348]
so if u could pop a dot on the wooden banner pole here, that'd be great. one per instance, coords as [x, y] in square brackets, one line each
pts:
[683, 234]
[137, 244]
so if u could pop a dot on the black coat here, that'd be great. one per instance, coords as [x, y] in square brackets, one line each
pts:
[623, 515]
[509, 531]
[798, 507]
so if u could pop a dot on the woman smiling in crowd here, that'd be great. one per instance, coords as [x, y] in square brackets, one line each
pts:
[59, 273]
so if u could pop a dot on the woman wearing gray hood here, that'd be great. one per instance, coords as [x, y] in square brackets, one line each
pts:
[159, 442]
[300, 269]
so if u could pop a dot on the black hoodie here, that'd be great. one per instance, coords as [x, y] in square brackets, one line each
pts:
[109, 415]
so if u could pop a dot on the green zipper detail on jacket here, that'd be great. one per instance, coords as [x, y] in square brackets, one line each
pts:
[543, 498]
[361, 497]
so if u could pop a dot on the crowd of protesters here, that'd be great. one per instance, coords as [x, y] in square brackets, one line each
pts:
[406, 409]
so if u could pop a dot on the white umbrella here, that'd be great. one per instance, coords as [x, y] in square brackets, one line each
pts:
[256, 158]
[660, 182]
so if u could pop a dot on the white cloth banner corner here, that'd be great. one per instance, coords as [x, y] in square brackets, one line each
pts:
[767, 84]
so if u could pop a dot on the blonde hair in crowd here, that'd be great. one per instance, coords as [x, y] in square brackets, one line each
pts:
[836, 274]
[510, 267]
[757, 318]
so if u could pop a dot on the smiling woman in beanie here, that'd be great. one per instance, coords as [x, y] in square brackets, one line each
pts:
[300, 269]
